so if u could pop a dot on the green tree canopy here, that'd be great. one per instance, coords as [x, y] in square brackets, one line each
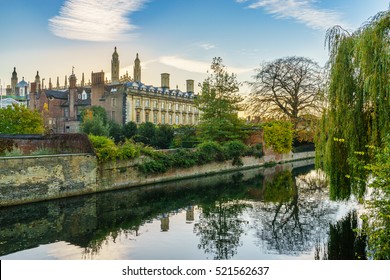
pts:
[18, 119]
[219, 103]
[358, 116]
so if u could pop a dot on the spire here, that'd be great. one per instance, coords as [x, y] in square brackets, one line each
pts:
[82, 80]
[137, 69]
[58, 82]
[115, 67]
[14, 81]
[50, 84]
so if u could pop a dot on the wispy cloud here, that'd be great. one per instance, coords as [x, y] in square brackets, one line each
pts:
[207, 46]
[95, 20]
[195, 66]
[303, 11]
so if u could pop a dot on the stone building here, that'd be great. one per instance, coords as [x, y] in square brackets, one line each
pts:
[60, 108]
[126, 99]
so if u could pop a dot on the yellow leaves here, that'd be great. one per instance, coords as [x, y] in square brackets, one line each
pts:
[342, 140]
[359, 153]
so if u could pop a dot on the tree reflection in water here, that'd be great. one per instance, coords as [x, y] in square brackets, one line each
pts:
[220, 228]
[295, 213]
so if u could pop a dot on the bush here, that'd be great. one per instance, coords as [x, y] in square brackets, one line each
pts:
[128, 150]
[209, 151]
[105, 148]
[279, 136]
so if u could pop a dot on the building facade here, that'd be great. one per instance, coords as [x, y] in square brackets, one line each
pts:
[128, 99]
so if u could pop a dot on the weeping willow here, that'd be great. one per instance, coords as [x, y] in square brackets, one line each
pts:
[358, 114]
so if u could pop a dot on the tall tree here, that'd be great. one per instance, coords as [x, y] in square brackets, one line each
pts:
[287, 88]
[219, 103]
[358, 115]
[18, 119]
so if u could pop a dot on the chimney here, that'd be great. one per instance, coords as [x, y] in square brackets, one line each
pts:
[165, 80]
[190, 86]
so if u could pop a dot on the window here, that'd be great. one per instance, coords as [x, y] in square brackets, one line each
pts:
[138, 117]
[177, 107]
[112, 115]
[137, 103]
[177, 119]
[184, 119]
[170, 118]
[155, 104]
[146, 116]
[163, 105]
[189, 108]
[155, 118]
[66, 112]
[113, 102]
[163, 118]
[147, 105]
[169, 106]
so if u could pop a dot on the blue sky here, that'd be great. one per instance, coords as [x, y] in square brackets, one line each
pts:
[176, 36]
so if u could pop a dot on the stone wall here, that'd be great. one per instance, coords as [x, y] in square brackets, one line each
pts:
[36, 178]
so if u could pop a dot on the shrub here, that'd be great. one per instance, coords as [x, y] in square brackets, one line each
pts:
[279, 136]
[128, 150]
[209, 151]
[105, 148]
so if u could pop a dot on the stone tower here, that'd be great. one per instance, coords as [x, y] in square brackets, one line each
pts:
[14, 81]
[72, 95]
[115, 67]
[37, 82]
[137, 70]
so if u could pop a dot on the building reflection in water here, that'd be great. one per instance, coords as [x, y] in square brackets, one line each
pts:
[190, 216]
[165, 222]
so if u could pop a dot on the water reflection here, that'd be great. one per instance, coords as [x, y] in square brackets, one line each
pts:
[283, 211]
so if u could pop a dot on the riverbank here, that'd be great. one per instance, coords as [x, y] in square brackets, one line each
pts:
[27, 179]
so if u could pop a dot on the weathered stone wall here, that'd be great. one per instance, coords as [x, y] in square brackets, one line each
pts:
[120, 174]
[36, 178]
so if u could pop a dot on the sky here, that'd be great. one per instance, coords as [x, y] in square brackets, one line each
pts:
[179, 37]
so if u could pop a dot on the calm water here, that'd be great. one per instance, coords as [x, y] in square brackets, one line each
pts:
[276, 213]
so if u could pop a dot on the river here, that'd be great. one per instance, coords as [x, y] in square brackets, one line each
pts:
[281, 212]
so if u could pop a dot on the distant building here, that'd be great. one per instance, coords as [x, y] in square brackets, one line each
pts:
[61, 108]
[126, 99]
[17, 91]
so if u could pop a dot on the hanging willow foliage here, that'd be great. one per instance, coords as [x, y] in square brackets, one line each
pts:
[358, 115]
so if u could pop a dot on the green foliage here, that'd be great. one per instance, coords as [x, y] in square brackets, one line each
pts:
[219, 103]
[95, 126]
[378, 217]
[185, 137]
[128, 150]
[359, 104]
[146, 133]
[94, 112]
[206, 152]
[282, 188]
[105, 148]
[279, 136]
[210, 151]
[129, 130]
[163, 137]
[18, 119]
[116, 132]
[15, 152]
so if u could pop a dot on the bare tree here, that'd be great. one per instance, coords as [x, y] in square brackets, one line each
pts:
[289, 88]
